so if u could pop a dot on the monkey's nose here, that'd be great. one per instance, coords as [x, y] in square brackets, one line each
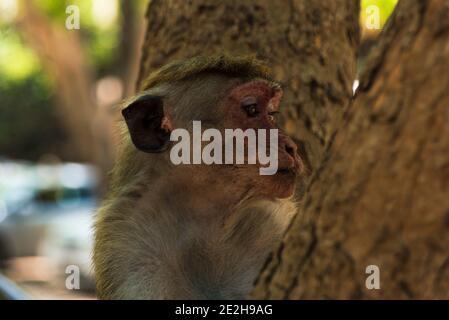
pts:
[291, 148]
[291, 158]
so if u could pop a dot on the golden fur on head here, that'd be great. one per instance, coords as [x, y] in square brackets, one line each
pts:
[240, 66]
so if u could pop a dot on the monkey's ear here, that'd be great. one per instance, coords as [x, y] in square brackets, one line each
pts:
[144, 118]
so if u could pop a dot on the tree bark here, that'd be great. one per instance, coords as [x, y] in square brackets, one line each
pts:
[131, 36]
[381, 194]
[311, 46]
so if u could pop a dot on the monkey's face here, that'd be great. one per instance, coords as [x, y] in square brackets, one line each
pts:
[247, 106]
[255, 105]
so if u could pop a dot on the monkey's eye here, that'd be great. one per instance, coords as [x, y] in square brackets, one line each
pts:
[249, 104]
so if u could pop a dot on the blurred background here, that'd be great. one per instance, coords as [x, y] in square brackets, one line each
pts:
[59, 92]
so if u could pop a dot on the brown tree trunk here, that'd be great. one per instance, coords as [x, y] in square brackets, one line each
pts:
[311, 46]
[91, 126]
[131, 37]
[62, 55]
[381, 195]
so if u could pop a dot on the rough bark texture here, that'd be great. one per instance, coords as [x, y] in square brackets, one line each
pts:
[311, 46]
[381, 195]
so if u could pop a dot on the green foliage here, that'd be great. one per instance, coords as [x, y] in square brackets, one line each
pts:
[386, 7]
[26, 62]
[100, 38]
[27, 104]
[29, 125]
[54, 9]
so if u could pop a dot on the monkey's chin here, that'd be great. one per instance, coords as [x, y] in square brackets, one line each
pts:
[284, 184]
[285, 192]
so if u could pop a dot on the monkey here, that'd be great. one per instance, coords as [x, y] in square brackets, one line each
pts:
[202, 231]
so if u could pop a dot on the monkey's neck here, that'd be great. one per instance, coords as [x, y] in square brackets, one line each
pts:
[175, 245]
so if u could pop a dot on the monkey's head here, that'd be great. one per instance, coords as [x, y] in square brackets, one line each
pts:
[223, 93]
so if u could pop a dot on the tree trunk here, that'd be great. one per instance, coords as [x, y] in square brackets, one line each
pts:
[381, 194]
[61, 54]
[311, 46]
[91, 126]
[131, 36]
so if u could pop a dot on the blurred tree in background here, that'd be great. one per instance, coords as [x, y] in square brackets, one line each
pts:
[58, 86]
